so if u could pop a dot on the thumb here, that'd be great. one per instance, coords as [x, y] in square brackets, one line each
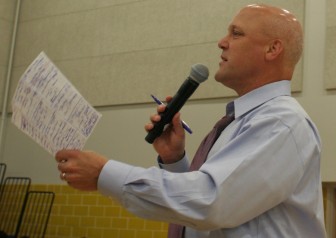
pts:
[177, 123]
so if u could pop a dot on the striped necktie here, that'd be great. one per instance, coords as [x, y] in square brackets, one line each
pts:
[177, 231]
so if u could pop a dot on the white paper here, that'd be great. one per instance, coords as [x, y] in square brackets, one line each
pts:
[49, 109]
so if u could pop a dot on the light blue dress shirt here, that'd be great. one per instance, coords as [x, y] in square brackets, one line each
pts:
[261, 178]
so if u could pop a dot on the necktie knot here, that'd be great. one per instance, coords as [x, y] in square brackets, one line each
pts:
[230, 109]
[227, 119]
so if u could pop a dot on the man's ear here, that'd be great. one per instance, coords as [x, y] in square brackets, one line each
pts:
[273, 49]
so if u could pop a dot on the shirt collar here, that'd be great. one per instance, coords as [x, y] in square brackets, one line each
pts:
[261, 95]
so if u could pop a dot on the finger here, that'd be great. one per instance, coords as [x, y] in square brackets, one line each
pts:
[149, 126]
[60, 167]
[64, 155]
[63, 176]
[176, 120]
[67, 176]
[155, 118]
[161, 108]
[169, 98]
[177, 123]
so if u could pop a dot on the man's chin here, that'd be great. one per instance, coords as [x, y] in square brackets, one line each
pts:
[219, 77]
[224, 80]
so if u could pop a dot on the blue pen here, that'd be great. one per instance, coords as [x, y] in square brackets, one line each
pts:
[184, 125]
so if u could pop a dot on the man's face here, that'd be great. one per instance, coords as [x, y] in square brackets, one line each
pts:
[243, 51]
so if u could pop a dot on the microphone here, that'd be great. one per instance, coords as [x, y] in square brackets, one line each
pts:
[198, 74]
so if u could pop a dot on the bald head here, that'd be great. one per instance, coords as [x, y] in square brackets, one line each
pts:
[263, 45]
[280, 24]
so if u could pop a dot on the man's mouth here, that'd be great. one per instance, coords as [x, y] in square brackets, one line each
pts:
[224, 58]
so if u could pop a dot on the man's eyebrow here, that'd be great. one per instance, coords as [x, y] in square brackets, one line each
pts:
[233, 26]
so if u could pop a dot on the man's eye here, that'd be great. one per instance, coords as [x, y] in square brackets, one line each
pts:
[237, 33]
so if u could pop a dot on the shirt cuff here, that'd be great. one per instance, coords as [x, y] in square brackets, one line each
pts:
[177, 167]
[112, 179]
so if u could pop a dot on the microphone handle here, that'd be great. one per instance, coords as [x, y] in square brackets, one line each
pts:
[185, 91]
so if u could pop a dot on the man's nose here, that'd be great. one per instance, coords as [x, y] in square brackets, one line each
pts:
[223, 43]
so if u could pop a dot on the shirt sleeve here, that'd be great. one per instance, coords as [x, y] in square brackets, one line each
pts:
[178, 167]
[251, 173]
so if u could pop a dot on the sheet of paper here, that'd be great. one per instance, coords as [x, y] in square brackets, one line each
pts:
[49, 109]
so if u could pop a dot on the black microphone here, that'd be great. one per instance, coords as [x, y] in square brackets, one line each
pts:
[198, 74]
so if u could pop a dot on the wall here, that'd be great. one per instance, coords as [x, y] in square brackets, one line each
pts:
[330, 69]
[318, 101]
[7, 13]
[121, 127]
[88, 214]
[103, 45]
[7, 9]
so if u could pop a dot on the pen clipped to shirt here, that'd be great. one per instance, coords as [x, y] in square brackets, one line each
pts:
[184, 125]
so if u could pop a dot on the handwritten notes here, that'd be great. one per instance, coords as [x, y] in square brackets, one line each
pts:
[50, 110]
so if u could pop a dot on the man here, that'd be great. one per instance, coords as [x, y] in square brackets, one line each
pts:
[261, 177]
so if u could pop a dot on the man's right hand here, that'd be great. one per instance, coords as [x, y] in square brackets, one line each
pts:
[170, 145]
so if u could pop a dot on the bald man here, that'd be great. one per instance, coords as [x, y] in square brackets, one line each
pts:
[260, 178]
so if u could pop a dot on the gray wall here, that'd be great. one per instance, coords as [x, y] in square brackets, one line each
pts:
[118, 52]
[330, 69]
[126, 50]
[7, 10]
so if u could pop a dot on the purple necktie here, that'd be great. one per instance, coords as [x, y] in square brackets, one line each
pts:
[177, 231]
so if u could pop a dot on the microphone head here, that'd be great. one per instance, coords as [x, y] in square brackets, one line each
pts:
[199, 73]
